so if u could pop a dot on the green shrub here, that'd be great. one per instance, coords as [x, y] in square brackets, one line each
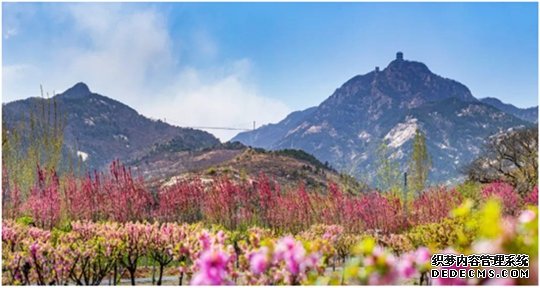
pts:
[25, 220]
[211, 171]
[471, 190]
[450, 232]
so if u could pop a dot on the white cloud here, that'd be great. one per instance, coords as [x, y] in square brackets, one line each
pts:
[129, 51]
[14, 80]
[12, 16]
[222, 98]
[126, 52]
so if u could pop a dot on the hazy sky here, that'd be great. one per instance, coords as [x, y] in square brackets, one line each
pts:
[223, 64]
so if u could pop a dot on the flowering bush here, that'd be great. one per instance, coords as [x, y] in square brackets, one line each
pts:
[500, 234]
[44, 200]
[253, 232]
[90, 251]
[180, 202]
[231, 204]
[505, 192]
[374, 265]
[532, 197]
[448, 232]
[90, 198]
[433, 205]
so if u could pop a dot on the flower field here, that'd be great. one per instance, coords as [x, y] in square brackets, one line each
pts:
[107, 227]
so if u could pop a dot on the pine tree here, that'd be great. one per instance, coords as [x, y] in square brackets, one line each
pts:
[420, 163]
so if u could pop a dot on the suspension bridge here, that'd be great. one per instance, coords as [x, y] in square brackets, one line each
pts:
[237, 128]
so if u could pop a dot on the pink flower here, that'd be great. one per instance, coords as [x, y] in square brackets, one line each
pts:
[220, 237]
[532, 198]
[204, 239]
[288, 250]
[506, 194]
[184, 250]
[527, 216]
[312, 259]
[422, 256]
[33, 249]
[406, 268]
[258, 261]
[212, 269]
[284, 246]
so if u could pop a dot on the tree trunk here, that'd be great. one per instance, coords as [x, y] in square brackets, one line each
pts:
[160, 274]
[154, 272]
[132, 275]
[115, 274]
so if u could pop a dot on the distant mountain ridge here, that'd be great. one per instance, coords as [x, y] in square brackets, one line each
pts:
[240, 163]
[261, 136]
[528, 114]
[99, 129]
[389, 105]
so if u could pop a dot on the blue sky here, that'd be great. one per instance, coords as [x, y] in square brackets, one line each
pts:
[227, 64]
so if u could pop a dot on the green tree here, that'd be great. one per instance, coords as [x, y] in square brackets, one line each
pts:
[388, 175]
[37, 140]
[420, 163]
[511, 157]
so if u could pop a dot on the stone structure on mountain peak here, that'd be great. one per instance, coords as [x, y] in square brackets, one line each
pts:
[389, 105]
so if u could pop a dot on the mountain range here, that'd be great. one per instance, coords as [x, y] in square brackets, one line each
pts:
[527, 114]
[388, 106]
[99, 129]
[344, 131]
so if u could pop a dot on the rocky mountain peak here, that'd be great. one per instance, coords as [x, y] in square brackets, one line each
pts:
[401, 66]
[389, 105]
[78, 90]
[99, 129]
[402, 85]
